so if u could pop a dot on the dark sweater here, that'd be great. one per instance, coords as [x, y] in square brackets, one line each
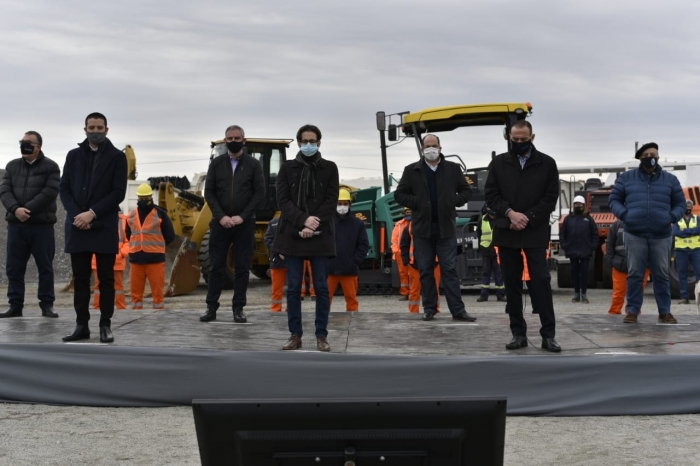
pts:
[431, 178]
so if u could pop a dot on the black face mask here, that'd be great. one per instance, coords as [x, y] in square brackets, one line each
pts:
[520, 148]
[688, 212]
[648, 162]
[144, 204]
[26, 148]
[234, 146]
[578, 210]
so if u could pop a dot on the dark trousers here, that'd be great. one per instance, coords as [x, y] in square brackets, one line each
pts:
[295, 271]
[81, 263]
[579, 273]
[24, 241]
[490, 267]
[539, 287]
[242, 237]
[425, 250]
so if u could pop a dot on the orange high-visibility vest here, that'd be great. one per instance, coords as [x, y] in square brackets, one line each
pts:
[120, 262]
[396, 238]
[147, 237]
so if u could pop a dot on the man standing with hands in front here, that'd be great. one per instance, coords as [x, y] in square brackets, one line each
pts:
[92, 186]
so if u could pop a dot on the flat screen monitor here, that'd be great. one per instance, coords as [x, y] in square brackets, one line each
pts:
[351, 432]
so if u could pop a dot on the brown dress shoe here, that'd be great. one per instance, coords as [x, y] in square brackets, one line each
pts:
[684, 301]
[293, 343]
[630, 318]
[667, 319]
[322, 344]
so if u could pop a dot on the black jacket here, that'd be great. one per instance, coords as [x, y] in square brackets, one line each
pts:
[615, 246]
[351, 245]
[32, 186]
[579, 236]
[166, 228]
[97, 181]
[453, 191]
[276, 262]
[532, 190]
[322, 205]
[231, 194]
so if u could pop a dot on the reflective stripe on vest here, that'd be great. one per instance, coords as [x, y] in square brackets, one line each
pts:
[485, 232]
[691, 242]
[147, 237]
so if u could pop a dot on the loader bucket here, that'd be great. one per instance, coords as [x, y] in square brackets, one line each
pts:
[185, 272]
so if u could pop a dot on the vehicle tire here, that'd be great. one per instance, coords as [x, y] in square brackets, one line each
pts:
[564, 279]
[607, 275]
[205, 263]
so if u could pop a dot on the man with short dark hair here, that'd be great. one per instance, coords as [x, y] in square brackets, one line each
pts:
[307, 193]
[649, 200]
[92, 187]
[234, 190]
[522, 188]
[28, 191]
[433, 188]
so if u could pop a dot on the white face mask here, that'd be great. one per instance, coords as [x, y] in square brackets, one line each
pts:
[431, 153]
[342, 209]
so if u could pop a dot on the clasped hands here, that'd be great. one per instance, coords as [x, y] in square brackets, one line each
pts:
[230, 222]
[83, 221]
[310, 225]
[518, 221]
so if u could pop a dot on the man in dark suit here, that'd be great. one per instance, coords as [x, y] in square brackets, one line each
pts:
[522, 187]
[92, 186]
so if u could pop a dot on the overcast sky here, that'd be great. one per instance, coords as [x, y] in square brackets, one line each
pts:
[171, 76]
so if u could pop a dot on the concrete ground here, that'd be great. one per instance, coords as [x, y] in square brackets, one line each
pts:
[51, 435]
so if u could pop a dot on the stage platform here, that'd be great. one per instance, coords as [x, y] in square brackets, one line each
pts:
[166, 358]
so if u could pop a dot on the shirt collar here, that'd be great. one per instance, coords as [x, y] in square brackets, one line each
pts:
[433, 168]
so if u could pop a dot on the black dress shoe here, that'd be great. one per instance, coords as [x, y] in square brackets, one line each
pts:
[106, 334]
[81, 332]
[429, 314]
[517, 343]
[239, 316]
[48, 312]
[551, 345]
[208, 316]
[464, 317]
[481, 299]
[12, 313]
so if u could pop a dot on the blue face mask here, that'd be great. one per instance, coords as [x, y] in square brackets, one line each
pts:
[407, 217]
[309, 149]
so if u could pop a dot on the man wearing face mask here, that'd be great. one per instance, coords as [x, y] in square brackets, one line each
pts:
[433, 188]
[522, 187]
[351, 246]
[307, 195]
[687, 245]
[92, 187]
[649, 200]
[149, 230]
[234, 190]
[579, 239]
[28, 191]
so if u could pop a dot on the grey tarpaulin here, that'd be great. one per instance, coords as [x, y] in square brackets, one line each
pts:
[535, 385]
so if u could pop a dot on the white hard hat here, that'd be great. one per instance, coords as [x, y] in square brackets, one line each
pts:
[579, 199]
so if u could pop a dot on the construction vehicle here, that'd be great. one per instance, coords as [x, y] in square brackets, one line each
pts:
[381, 212]
[597, 194]
[191, 216]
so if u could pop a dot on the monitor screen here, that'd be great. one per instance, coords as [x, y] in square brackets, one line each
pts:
[445, 431]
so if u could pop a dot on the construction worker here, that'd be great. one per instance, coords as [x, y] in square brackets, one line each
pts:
[489, 257]
[148, 230]
[687, 235]
[119, 268]
[351, 246]
[616, 256]
[408, 259]
[579, 239]
[278, 267]
[399, 227]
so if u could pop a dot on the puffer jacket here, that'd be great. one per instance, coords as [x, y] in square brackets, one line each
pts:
[32, 186]
[648, 204]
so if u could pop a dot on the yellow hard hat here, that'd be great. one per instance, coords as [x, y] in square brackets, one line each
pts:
[344, 195]
[144, 190]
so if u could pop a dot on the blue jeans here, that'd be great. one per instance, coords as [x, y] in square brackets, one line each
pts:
[683, 258]
[295, 271]
[24, 241]
[425, 250]
[654, 254]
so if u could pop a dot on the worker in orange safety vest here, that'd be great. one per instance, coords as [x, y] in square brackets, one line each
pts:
[119, 268]
[414, 296]
[149, 230]
[399, 227]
